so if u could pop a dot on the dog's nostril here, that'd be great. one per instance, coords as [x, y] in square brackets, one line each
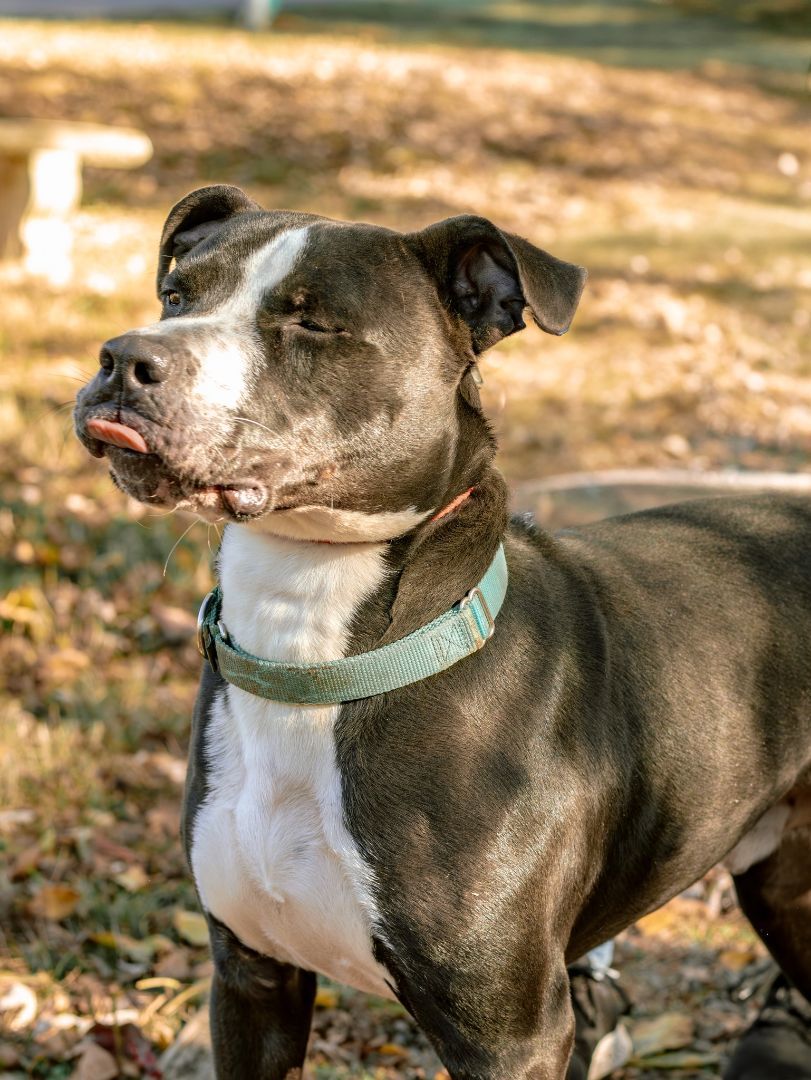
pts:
[144, 374]
[135, 360]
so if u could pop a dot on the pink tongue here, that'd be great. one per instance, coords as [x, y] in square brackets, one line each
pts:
[108, 431]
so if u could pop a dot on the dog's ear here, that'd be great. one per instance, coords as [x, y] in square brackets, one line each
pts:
[487, 277]
[195, 217]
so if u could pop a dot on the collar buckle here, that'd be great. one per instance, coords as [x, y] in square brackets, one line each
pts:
[205, 640]
[476, 602]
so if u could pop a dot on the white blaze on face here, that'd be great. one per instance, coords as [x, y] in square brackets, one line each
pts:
[226, 363]
[226, 345]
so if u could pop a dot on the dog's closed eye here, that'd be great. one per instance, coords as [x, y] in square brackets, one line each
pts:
[314, 327]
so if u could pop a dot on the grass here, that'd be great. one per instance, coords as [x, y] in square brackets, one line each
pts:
[682, 182]
[764, 36]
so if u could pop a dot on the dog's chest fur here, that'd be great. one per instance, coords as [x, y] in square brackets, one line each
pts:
[271, 855]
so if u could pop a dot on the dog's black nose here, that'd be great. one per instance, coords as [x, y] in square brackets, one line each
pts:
[136, 359]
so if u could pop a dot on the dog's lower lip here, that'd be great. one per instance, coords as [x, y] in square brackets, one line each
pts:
[243, 501]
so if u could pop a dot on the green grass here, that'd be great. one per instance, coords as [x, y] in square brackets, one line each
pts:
[627, 33]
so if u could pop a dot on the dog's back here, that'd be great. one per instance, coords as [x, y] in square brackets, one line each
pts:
[706, 615]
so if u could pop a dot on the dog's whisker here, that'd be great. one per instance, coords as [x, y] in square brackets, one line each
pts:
[66, 434]
[155, 516]
[213, 525]
[174, 546]
[247, 420]
[54, 410]
[166, 513]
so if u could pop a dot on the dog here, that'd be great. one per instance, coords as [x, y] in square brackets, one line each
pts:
[636, 708]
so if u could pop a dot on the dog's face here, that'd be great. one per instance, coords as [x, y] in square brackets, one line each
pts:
[307, 372]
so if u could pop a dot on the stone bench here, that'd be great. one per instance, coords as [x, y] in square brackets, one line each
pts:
[41, 184]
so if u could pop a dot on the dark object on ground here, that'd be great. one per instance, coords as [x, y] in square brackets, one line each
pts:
[778, 1045]
[598, 1005]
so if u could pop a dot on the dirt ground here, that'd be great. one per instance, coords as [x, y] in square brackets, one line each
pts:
[684, 187]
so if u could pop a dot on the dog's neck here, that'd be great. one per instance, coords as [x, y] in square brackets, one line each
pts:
[389, 574]
[294, 600]
[304, 601]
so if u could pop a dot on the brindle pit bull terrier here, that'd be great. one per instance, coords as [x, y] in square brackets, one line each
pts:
[641, 711]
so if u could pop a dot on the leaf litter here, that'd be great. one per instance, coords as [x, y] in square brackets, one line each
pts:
[684, 192]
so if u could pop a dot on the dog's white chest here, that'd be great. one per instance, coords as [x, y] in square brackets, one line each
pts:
[271, 854]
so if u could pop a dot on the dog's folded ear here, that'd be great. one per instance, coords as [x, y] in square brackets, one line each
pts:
[487, 277]
[197, 216]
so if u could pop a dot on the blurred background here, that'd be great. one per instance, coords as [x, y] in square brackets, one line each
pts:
[664, 144]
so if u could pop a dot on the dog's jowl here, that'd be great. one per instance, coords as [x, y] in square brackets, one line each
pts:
[438, 754]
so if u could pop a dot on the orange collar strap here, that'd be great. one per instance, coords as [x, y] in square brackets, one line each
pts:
[454, 504]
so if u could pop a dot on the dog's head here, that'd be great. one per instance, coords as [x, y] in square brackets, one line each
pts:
[311, 373]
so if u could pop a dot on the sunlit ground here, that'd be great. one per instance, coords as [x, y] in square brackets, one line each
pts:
[687, 194]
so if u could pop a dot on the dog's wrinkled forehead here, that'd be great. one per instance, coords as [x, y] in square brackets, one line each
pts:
[472, 280]
[282, 263]
[236, 261]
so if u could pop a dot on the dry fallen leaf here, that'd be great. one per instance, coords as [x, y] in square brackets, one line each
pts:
[20, 816]
[95, 1063]
[133, 878]
[55, 902]
[680, 1059]
[658, 921]
[737, 959]
[670, 1031]
[26, 862]
[393, 1050]
[9, 1056]
[110, 850]
[327, 998]
[140, 950]
[176, 624]
[174, 965]
[191, 926]
[63, 666]
[129, 1043]
[18, 1005]
[611, 1053]
[164, 819]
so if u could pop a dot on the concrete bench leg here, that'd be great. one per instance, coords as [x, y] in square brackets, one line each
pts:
[41, 192]
[15, 190]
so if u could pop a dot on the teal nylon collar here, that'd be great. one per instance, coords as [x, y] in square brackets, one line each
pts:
[459, 632]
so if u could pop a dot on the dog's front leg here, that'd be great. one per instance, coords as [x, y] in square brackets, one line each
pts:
[517, 1026]
[261, 1012]
[533, 1042]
